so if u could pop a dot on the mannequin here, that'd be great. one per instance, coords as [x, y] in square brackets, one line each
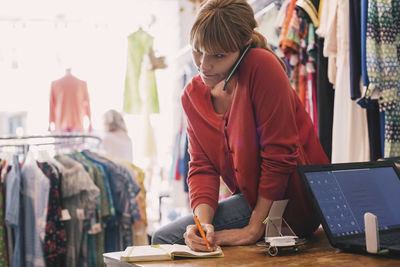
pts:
[116, 142]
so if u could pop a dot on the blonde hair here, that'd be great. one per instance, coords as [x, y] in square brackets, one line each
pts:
[223, 26]
[114, 121]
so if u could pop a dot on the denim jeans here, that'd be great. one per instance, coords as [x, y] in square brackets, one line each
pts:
[232, 212]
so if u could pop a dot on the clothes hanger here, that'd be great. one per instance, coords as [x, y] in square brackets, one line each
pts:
[68, 71]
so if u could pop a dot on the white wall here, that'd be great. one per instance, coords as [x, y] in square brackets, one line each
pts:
[39, 39]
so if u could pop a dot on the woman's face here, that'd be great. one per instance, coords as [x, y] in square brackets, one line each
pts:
[213, 68]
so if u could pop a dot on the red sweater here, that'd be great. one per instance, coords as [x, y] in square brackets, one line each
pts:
[269, 135]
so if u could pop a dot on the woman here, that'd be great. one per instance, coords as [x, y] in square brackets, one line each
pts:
[253, 132]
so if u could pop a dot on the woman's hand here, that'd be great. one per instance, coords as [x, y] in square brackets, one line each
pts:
[194, 240]
[243, 236]
[252, 232]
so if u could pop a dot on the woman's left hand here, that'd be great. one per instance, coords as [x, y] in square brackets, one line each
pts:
[243, 236]
[251, 233]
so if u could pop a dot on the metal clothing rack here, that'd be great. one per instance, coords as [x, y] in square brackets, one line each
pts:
[23, 143]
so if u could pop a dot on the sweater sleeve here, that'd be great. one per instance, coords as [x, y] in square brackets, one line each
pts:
[275, 113]
[203, 179]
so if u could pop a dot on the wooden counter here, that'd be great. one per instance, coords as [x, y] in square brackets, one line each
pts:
[317, 251]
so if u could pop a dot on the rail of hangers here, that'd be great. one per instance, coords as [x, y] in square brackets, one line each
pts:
[52, 139]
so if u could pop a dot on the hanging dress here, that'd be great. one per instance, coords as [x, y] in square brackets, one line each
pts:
[350, 130]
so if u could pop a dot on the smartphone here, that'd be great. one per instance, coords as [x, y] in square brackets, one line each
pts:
[236, 65]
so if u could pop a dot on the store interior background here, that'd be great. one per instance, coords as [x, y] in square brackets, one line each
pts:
[41, 38]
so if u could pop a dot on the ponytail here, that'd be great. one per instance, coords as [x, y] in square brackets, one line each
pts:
[258, 40]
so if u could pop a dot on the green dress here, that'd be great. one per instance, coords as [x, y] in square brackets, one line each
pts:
[139, 45]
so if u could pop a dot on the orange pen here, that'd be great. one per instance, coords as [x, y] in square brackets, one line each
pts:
[201, 230]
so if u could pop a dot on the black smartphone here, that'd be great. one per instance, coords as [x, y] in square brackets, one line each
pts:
[236, 65]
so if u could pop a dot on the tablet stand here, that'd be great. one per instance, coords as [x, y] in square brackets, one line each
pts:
[275, 224]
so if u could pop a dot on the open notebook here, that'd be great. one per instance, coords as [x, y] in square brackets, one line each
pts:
[164, 252]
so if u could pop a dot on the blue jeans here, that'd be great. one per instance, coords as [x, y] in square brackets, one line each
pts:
[232, 212]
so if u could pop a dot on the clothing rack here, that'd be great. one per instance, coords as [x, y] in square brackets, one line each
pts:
[24, 142]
